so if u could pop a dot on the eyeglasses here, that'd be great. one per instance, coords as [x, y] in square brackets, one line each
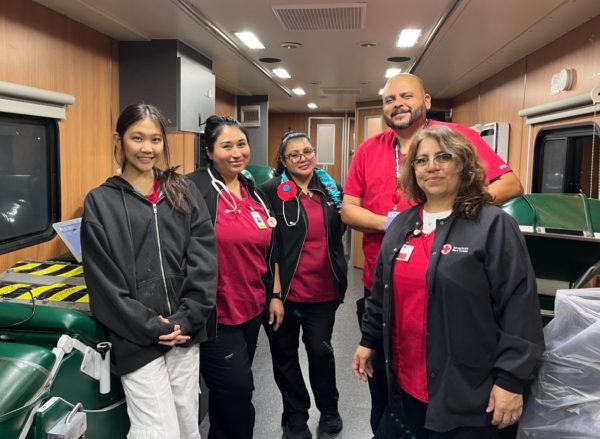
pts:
[440, 159]
[296, 156]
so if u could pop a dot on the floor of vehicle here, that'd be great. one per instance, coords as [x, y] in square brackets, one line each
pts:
[354, 402]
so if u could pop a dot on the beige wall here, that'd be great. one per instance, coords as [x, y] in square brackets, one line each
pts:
[526, 83]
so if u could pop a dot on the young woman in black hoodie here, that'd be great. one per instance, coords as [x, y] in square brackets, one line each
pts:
[149, 257]
[243, 226]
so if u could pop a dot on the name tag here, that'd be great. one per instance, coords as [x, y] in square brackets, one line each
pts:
[390, 217]
[258, 220]
[405, 253]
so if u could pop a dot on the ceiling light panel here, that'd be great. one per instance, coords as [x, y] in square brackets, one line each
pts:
[282, 73]
[338, 16]
[298, 91]
[312, 106]
[408, 37]
[250, 40]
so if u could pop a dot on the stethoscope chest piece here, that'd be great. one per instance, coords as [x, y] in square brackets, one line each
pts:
[272, 222]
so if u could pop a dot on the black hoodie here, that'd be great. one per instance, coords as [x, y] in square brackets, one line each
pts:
[143, 260]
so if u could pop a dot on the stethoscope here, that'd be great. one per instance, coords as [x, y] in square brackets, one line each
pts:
[222, 189]
[291, 223]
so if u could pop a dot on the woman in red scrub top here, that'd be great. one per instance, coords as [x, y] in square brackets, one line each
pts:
[454, 301]
[243, 226]
[312, 272]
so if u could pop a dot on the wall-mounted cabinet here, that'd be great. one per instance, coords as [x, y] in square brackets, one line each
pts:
[170, 75]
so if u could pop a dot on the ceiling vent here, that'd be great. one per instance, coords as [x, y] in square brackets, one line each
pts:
[340, 91]
[337, 16]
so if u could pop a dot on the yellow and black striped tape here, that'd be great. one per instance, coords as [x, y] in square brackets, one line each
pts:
[48, 269]
[56, 292]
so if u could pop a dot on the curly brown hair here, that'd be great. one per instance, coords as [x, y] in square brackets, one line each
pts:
[472, 193]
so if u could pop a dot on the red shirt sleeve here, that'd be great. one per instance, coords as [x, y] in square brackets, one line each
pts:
[494, 165]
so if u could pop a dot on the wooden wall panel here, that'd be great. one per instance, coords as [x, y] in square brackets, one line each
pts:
[181, 147]
[465, 108]
[501, 99]
[526, 83]
[44, 49]
[224, 103]
[579, 50]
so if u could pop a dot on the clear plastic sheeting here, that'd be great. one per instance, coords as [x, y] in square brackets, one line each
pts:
[565, 397]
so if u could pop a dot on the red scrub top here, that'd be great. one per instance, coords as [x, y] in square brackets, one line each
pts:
[313, 280]
[242, 249]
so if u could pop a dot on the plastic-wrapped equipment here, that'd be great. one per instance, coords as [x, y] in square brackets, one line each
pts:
[565, 398]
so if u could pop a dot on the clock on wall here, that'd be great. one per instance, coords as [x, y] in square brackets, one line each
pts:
[561, 81]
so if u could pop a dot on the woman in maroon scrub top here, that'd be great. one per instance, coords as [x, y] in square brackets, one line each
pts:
[312, 274]
[454, 301]
[243, 226]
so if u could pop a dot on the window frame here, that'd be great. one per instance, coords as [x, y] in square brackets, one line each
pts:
[52, 180]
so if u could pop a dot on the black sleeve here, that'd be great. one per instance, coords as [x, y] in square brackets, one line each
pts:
[520, 339]
[372, 323]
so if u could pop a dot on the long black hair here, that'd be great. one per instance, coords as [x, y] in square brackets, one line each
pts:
[172, 184]
[214, 127]
[285, 140]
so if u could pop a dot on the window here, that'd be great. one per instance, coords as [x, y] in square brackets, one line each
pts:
[29, 180]
[567, 160]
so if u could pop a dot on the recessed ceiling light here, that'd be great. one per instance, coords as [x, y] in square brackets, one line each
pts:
[312, 106]
[250, 40]
[299, 91]
[398, 58]
[380, 93]
[315, 82]
[408, 37]
[282, 73]
[290, 45]
[363, 82]
[269, 60]
[367, 44]
[392, 72]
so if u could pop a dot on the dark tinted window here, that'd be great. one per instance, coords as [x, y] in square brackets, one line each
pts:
[29, 180]
[567, 160]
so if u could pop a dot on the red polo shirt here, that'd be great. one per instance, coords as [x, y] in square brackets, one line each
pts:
[372, 178]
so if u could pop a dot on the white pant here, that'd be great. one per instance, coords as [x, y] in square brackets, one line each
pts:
[162, 397]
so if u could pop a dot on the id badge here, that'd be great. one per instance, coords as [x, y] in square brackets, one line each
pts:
[390, 217]
[405, 253]
[258, 220]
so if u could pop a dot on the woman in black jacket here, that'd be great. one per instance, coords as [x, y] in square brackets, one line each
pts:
[312, 273]
[149, 260]
[243, 226]
[454, 301]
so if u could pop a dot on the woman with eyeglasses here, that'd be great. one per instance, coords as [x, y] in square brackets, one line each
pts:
[312, 273]
[243, 226]
[454, 301]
